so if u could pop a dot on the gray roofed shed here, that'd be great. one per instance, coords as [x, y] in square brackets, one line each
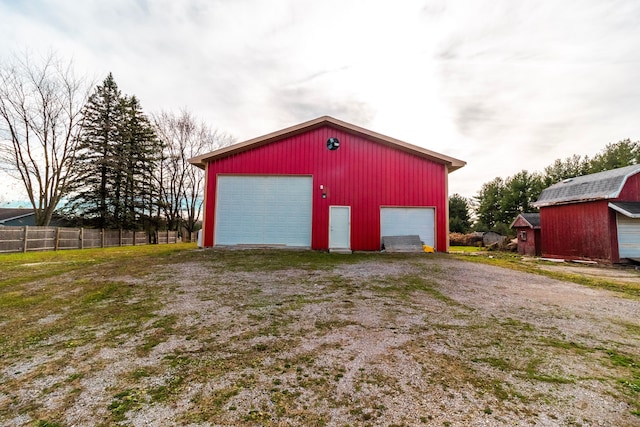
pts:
[629, 209]
[601, 185]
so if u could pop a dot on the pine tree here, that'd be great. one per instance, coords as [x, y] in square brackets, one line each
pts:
[617, 155]
[139, 154]
[97, 158]
[459, 220]
[118, 156]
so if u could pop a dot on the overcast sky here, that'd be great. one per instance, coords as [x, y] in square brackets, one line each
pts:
[504, 85]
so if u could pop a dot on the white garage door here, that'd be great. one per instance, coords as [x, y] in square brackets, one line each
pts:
[270, 210]
[409, 221]
[628, 237]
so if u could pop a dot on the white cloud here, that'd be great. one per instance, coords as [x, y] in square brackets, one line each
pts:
[500, 84]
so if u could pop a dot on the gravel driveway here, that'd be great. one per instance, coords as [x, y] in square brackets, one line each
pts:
[363, 340]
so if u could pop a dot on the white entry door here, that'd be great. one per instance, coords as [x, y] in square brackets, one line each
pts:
[339, 227]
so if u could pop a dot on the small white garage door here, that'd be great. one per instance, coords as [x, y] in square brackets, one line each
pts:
[409, 221]
[269, 210]
[628, 236]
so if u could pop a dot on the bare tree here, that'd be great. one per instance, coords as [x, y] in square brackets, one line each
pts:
[181, 184]
[40, 118]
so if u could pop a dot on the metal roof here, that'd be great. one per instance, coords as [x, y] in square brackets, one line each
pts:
[630, 209]
[201, 160]
[8, 214]
[596, 186]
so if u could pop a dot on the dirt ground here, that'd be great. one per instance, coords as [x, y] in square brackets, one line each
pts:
[406, 340]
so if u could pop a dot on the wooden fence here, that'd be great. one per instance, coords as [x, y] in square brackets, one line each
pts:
[31, 238]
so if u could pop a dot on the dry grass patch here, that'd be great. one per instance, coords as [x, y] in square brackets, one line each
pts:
[170, 335]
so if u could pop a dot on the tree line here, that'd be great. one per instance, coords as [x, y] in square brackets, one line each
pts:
[93, 155]
[500, 200]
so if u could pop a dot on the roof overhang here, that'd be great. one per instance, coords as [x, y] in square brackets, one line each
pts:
[568, 202]
[451, 163]
[628, 209]
[13, 218]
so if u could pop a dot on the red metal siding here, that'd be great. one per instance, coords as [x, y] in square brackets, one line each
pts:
[362, 174]
[579, 231]
[585, 230]
[631, 190]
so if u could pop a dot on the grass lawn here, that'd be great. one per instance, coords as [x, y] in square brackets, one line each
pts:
[466, 249]
[137, 335]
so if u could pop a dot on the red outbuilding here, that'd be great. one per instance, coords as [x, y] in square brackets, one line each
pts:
[527, 226]
[325, 184]
[594, 217]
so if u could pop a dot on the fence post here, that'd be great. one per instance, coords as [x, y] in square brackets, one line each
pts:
[81, 238]
[24, 246]
[102, 237]
[134, 237]
[56, 245]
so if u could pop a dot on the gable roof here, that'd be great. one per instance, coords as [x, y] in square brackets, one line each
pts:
[9, 214]
[451, 163]
[527, 219]
[596, 186]
[629, 209]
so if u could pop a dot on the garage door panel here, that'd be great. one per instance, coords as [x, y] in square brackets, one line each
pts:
[264, 210]
[403, 221]
[628, 237]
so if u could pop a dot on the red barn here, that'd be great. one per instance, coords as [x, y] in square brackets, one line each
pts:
[325, 184]
[594, 217]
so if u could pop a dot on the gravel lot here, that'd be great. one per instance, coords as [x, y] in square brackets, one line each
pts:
[363, 340]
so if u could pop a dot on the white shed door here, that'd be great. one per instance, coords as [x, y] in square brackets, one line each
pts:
[339, 227]
[628, 237]
[269, 210]
[407, 222]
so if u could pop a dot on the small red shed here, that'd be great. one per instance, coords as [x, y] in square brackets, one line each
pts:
[527, 227]
[595, 217]
[325, 184]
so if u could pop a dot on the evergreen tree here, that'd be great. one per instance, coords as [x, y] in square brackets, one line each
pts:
[570, 167]
[139, 156]
[97, 160]
[520, 191]
[459, 220]
[620, 154]
[489, 204]
[118, 156]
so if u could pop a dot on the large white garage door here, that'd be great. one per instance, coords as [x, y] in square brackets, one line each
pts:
[628, 237]
[270, 210]
[409, 221]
